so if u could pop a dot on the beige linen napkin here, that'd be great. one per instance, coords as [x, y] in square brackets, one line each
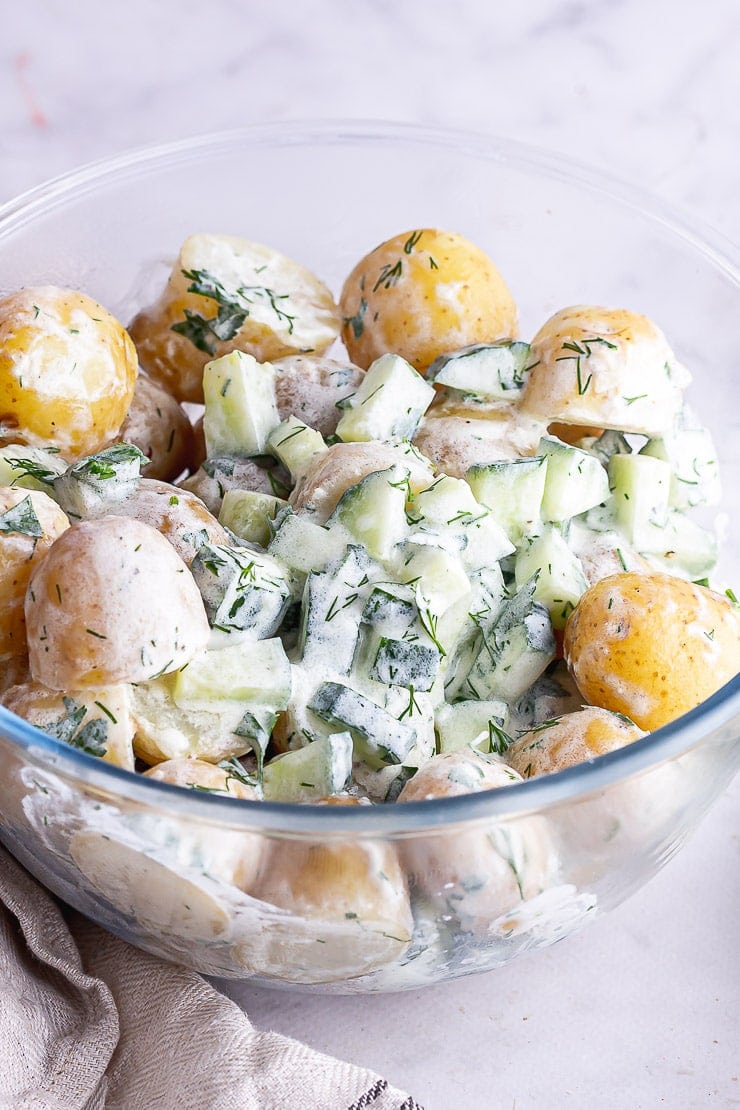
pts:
[89, 1022]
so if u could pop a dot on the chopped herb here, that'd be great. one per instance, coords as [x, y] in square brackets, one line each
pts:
[389, 275]
[97, 635]
[21, 519]
[106, 710]
[234, 308]
[411, 242]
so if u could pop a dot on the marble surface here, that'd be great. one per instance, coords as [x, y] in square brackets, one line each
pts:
[640, 1011]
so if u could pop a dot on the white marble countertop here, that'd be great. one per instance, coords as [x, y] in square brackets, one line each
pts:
[642, 1010]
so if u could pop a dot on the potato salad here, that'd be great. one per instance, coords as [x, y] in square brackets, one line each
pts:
[392, 552]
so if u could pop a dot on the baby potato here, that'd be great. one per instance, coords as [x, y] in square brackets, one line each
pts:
[232, 856]
[330, 473]
[456, 436]
[67, 371]
[111, 602]
[349, 895]
[651, 646]
[29, 523]
[98, 722]
[607, 367]
[228, 294]
[571, 739]
[421, 294]
[160, 428]
[478, 874]
[310, 388]
[179, 515]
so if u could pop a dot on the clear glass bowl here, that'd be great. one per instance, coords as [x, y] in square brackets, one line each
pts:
[393, 896]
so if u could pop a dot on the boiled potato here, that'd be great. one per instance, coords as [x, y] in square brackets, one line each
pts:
[330, 473]
[349, 906]
[607, 367]
[228, 294]
[421, 294]
[111, 602]
[29, 523]
[97, 722]
[571, 739]
[233, 856]
[310, 387]
[477, 874]
[67, 371]
[160, 428]
[456, 436]
[179, 515]
[651, 646]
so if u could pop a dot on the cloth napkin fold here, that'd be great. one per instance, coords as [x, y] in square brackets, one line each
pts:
[88, 1022]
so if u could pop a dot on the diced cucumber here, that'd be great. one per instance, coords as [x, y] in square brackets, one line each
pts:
[472, 723]
[401, 663]
[248, 514]
[245, 671]
[444, 501]
[29, 467]
[448, 509]
[515, 651]
[681, 547]
[332, 608]
[241, 409]
[380, 737]
[496, 370]
[320, 769]
[295, 444]
[96, 483]
[513, 491]
[559, 576]
[303, 545]
[391, 608]
[689, 449]
[575, 481]
[640, 488]
[374, 511]
[442, 591]
[390, 402]
[243, 591]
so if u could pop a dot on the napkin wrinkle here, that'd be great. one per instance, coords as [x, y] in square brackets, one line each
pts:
[88, 1022]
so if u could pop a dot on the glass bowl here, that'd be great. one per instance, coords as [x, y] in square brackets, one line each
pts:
[393, 896]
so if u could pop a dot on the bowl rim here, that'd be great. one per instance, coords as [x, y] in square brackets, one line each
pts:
[517, 799]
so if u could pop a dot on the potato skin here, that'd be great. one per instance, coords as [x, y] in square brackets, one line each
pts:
[67, 371]
[161, 429]
[111, 602]
[19, 554]
[421, 294]
[651, 646]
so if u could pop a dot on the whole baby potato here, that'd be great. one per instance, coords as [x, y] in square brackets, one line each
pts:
[607, 367]
[111, 602]
[229, 294]
[569, 740]
[421, 294]
[67, 371]
[29, 523]
[651, 646]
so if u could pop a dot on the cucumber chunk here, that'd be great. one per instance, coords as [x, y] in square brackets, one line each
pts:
[246, 671]
[689, 450]
[295, 444]
[94, 484]
[514, 652]
[390, 402]
[640, 488]
[449, 510]
[249, 514]
[29, 467]
[381, 738]
[318, 770]
[558, 573]
[575, 481]
[400, 663]
[374, 511]
[513, 491]
[495, 370]
[332, 608]
[303, 545]
[243, 591]
[472, 723]
[241, 409]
